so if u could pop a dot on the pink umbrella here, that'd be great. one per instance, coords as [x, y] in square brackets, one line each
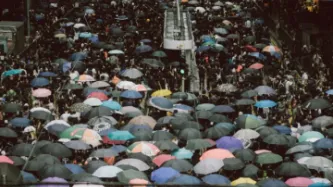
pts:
[160, 159]
[4, 159]
[138, 182]
[99, 95]
[299, 181]
[41, 92]
[256, 66]
[260, 151]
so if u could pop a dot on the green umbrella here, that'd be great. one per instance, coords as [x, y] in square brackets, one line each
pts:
[241, 102]
[248, 121]
[216, 132]
[292, 169]
[80, 107]
[249, 93]
[72, 87]
[303, 147]
[153, 62]
[18, 161]
[249, 39]
[189, 133]
[93, 165]
[55, 170]
[203, 114]
[142, 136]
[197, 144]
[265, 131]
[10, 174]
[12, 108]
[57, 150]
[318, 103]
[126, 176]
[166, 145]
[246, 155]
[276, 139]
[189, 124]
[268, 158]
[204, 106]
[178, 121]
[6, 132]
[85, 177]
[233, 164]
[310, 135]
[179, 165]
[160, 54]
[251, 171]
[162, 135]
[219, 118]
[41, 161]
[24, 149]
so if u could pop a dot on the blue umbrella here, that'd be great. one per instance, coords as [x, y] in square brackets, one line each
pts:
[89, 11]
[182, 153]
[265, 104]
[161, 103]
[20, 122]
[121, 135]
[85, 35]
[324, 143]
[259, 21]
[273, 183]
[75, 169]
[78, 56]
[12, 72]
[28, 177]
[119, 148]
[163, 174]
[207, 38]
[230, 143]
[186, 179]
[47, 74]
[228, 126]
[202, 48]
[39, 82]
[56, 129]
[143, 49]
[282, 129]
[182, 107]
[99, 20]
[222, 109]
[257, 55]
[66, 66]
[319, 184]
[329, 92]
[131, 94]
[216, 179]
[94, 38]
[106, 132]
[113, 105]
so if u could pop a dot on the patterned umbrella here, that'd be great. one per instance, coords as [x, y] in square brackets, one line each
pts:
[80, 107]
[86, 135]
[144, 147]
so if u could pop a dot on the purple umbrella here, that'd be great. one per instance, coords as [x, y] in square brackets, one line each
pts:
[230, 143]
[52, 182]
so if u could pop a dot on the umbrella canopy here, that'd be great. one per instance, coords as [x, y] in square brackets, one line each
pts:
[249, 121]
[179, 165]
[265, 90]
[163, 174]
[268, 158]
[161, 103]
[11, 174]
[131, 94]
[322, 121]
[310, 135]
[230, 143]
[265, 104]
[292, 169]
[318, 103]
[107, 172]
[144, 147]
[233, 164]
[246, 134]
[217, 153]
[215, 179]
[127, 175]
[208, 166]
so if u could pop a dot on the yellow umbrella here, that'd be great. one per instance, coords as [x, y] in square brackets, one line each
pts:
[243, 180]
[161, 93]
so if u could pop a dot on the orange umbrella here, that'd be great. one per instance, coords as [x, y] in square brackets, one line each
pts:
[138, 182]
[217, 153]
[160, 159]
[115, 80]
[256, 66]
[110, 160]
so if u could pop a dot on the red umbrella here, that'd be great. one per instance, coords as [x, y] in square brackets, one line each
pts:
[99, 95]
[256, 66]
[160, 159]
[250, 48]
[107, 140]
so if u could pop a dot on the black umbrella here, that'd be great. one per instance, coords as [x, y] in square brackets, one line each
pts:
[189, 124]
[85, 177]
[42, 115]
[189, 133]
[265, 131]
[98, 112]
[179, 165]
[216, 132]
[24, 149]
[57, 150]
[162, 135]
[6, 132]
[233, 164]
[18, 161]
[93, 165]
[77, 145]
[12, 107]
[292, 169]
[219, 118]
[55, 170]
[41, 161]
[246, 155]
[102, 153]
[166, 145]
[318, 103]
[276, 139]
[10, 174]
[142, 135]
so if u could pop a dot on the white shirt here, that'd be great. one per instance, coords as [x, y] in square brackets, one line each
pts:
[65, 116]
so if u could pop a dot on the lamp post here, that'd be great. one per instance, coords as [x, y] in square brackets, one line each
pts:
[28, 17]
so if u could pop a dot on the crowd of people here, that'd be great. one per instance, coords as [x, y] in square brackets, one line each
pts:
[98, 100]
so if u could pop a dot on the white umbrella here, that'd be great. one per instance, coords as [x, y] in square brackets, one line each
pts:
[93, 102]
[56, 122]
[216, 8]
[132, 73]
[107, 172]
[318, 163]
[140, 165]
[116, 52]
[200, 9]
[99, 84]
[125, 85]
[226, 88]
[246, 134]
[208, 166]
[79, 25]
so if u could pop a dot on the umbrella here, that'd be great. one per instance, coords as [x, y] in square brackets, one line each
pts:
[189, 133]
[249, 94]
[292, 169]
[126, 85]
[230, 143]
[208, 166]
[249, 121]
[131, 94]
[28, 177]
[268, 158]
[99, 95]
[276, 139]
[11, 108]
[246, 155]
[216, 179]
[318, 163]
[56, 170]
[80, 107]
[216, 132]
[39, 82]
[182, 153]
[143, 49]
[144, 147]
[93, 165]
[185, 180]
[267, 182]
[159, 54]
[20, 122]
[116, 52]
[166, 145]
[107, 172]
[232, 164]
[246, 134]
[23, 149]
[265, 90]
[161, 103]
[113, 105]
[227, 88]
[273, 50]
[222, 109]
[243, 180]
[162, 135]
[132, 73]
[217, 153]
[10, 174]
[143, 120]
[98, 112]
[41, 93]
[179, 165]
[324, 143]
[310, 135]
[282, 129]
[6, 132]
[322, 121]
[127, 175]
[299, 181]
[318, 103]
[86, 135]
[204, 107]
[163, 174]
[99, 84]
[241, 102]
[11, 72]
[265, 104]
[41, 113]
[161, 93]
[57, 150]
[250, 171]
[198, 144]
[77, 145]
[47, 74]
[4, 159]
[162, 158]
